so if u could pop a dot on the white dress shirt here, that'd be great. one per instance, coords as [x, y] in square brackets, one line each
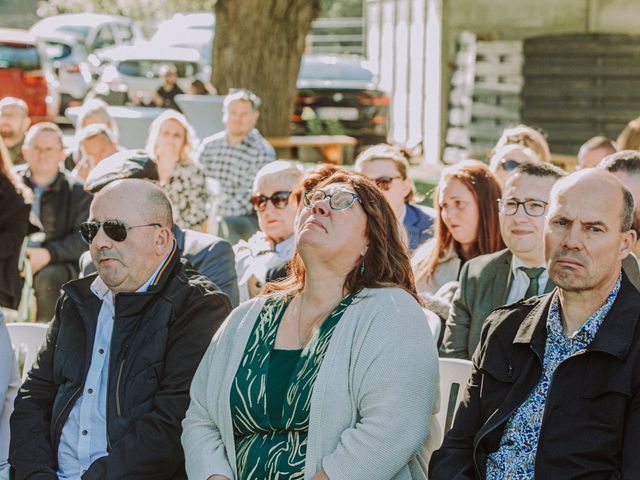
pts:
[520, 281]
[84, 434]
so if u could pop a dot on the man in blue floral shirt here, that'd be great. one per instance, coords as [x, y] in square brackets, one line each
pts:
[555, 386]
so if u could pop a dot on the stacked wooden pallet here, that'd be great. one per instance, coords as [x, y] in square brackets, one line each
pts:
[578, 86]
[484, 97]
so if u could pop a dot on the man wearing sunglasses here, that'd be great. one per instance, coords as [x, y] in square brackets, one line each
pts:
[387, 167]
[210, 255]
[517, 272]
[111, 384]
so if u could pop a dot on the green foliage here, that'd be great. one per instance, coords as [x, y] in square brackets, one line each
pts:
[341, 8]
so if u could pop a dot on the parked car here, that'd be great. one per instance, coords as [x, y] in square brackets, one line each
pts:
[26, 73]
[70, 63]
[339, 94]
[133, 71]
[94, 31]
[188, 30]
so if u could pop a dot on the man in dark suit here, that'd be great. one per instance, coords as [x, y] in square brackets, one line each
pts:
[209, 255]
[490, 281]
[555, 384]
[626, 166]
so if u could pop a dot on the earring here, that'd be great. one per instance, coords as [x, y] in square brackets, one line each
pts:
[362, 269]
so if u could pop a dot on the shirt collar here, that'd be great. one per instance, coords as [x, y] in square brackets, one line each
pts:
[516, 263]
[285, 248]
[588, 329]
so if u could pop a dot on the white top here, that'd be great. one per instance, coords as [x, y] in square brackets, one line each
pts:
[369, 415]
[520, 281]
[9, 384]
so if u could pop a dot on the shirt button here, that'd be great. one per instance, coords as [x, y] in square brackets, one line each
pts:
[84, 432]
[90, 391]
[101, 351]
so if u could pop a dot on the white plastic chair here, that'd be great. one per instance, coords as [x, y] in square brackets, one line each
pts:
[27, 338]
[453, 371]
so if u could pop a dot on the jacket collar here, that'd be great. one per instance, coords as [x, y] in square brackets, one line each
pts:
[54, 186]
[614, 337]
[129, 303]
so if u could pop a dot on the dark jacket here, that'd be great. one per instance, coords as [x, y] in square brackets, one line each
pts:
[159, 337]
[591, 424]
[418, 224]
[14, 224]
[485, 283]
[209, 255]
[64, 206]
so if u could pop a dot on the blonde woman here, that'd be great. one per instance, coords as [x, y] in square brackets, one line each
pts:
[171, 141]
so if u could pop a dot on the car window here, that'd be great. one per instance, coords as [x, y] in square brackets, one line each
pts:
[57, 51]
[151, 68]
[124, 32]
[104, 38]
[81, 33]
[334, 71]
[25, 57]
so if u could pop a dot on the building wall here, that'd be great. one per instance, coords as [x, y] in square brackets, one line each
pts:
[489, 20]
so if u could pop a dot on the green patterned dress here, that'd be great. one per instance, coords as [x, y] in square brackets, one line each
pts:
[271, 396]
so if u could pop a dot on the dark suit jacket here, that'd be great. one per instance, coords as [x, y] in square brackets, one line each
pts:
[591, 424]
[210, 255]
[418, 224]
[485, 282]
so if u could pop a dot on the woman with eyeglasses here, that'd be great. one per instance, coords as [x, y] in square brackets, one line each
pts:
[466, 203]
[332, 375]
[387, 168]
[171, 141]
[508, 158]
[265, 256]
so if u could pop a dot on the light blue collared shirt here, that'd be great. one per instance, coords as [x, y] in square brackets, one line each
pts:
[84, 435]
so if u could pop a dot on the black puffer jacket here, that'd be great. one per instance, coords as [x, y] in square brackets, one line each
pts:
[159, 338]
[14, 223]
[64, 206]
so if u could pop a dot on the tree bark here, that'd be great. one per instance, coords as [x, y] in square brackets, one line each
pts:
[258, 45]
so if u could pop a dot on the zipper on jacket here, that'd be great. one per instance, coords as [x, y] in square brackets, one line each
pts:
[66, 405]
[124, 359]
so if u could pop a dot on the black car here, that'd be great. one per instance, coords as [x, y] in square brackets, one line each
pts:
[338, 95]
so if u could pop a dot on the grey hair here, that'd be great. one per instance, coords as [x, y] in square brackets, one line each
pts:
[43, 127]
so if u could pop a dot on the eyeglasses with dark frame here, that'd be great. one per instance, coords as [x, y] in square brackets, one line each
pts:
[384, 182]
[341, 200]
[115, 229]
[533, 208]
[279, 200]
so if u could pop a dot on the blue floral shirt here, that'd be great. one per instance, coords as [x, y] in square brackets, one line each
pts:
[516, 455]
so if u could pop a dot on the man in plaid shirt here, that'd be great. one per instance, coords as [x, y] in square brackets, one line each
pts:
[233, 157]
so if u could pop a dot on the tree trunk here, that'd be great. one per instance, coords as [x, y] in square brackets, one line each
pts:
[258, 45]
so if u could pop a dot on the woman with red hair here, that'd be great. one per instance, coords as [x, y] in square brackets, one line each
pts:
[467, 225]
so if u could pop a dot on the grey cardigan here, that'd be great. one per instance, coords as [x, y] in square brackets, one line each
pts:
[9, 383]
[371, 405]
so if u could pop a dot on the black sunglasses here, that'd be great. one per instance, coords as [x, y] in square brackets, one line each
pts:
[278, 199]
[115, 229]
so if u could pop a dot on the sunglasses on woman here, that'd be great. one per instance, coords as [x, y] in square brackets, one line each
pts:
[278, 199]
[114, 229]
[384, 182]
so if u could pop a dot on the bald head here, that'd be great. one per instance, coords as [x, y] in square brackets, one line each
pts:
[600, 183]
[144, 196]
